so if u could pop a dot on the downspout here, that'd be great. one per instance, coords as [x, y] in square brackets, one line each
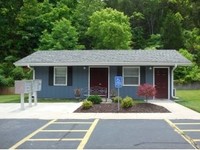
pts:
[172, 82]
[31, 68]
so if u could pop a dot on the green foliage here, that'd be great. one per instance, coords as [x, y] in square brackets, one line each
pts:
[110, 29]
[154, 24]
[187, 74]
[127, 102]
[95, 99]
[9, 73]
[63, 36]
[172, 37]
[115, 99]
[192, 43]
[87, 104]
[81, 20]
[154, 42]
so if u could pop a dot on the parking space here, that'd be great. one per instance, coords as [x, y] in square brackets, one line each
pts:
[190, 129]
[100, 134]
[136, 134]
[14, 130]
[59, 134]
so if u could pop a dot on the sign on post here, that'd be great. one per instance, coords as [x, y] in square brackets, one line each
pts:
[118, 85]
[118, 81]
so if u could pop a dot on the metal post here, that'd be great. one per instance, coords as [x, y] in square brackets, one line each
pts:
[22, 101]
[35, 98]
[118, 100]
[30, 99]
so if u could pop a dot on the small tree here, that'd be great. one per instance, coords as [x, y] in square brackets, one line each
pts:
[146, 90]
[110, 29]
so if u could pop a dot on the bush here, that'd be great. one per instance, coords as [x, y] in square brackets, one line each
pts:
[146, 90]
[87, 104]
[95, 99]
[127, 102]
[115, 99]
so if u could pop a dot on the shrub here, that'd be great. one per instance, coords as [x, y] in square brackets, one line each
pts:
[95, 99]
[115, 99]
[127, 102]
[146, 90]
[87, 104]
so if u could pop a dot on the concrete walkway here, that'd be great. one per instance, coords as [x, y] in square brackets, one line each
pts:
[65, 111]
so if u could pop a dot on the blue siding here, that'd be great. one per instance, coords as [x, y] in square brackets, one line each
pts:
[149, 74]
[80, 80]
[130, 90]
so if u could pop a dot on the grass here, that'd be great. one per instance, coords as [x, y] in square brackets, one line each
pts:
[9, 98]
[189, 98]
[16, 99]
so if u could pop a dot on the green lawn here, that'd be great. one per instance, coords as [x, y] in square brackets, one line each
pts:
[189, 98]
[9, 98]
[16, 99]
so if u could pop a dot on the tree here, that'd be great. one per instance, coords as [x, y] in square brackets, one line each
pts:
[62, 36]
[110, 29]
[187, 74]
[172, 37]
[30, 25]
[146, 91]
[8, 28]
[154, 42]
[81, 20]
[192, 43]
[137, 20]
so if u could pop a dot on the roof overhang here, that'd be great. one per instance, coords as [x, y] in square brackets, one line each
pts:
[104, 64]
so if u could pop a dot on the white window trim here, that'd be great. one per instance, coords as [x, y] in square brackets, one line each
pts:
[132, 76]
[54, 77]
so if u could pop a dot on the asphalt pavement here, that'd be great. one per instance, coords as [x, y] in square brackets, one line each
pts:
[99, 134]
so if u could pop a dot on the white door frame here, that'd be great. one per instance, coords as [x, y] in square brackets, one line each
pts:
[108, 78]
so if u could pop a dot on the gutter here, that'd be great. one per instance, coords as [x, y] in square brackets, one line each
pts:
[31, 68]
[172, 82]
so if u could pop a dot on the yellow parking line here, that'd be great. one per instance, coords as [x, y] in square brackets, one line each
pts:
[187, 138]
[195, 123]
[31, 135]
[197, 140]
[63, 130]
[72, 122]
[75, 139]
[87, 135]
[191, 130]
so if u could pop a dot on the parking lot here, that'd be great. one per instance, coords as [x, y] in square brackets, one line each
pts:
[99, 134]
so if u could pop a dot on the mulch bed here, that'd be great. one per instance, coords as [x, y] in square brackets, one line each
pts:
[112, 108]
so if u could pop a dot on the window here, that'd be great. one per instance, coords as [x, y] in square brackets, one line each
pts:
[60, 75]
[131, 76]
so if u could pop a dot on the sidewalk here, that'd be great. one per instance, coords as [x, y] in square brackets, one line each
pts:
[65, 111]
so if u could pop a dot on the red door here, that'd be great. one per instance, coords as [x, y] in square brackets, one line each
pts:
[99, 78]
[161, 83]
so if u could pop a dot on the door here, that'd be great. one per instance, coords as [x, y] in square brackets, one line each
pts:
[99, 79]
[161, 83]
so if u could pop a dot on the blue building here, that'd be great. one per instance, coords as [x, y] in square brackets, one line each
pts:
[63, 71]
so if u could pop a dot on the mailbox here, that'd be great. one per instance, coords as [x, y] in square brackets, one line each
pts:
[27, 86]
[23, 86]
[37, 85]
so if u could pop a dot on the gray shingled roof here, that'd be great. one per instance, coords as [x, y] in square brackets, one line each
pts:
[103, 57]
